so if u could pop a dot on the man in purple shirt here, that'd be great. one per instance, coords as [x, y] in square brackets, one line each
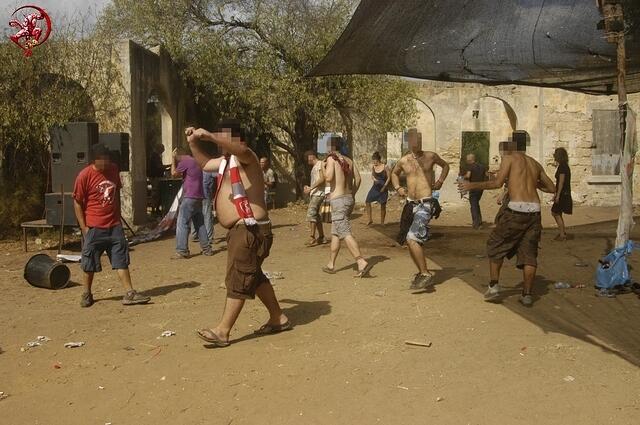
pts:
[191, 205]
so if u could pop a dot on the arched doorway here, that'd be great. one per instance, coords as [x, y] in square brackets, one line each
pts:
[426, 125]
[485, 123]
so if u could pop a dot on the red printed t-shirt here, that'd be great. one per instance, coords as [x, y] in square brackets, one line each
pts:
[99, 194]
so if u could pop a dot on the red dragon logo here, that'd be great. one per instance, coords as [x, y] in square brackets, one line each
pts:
[34, 29]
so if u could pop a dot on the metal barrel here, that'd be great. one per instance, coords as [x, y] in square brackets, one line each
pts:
[44, 272]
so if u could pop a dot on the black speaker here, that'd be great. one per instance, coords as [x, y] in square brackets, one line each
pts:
[70, 152]
[118, 144]
[53, 208]
[522, 140]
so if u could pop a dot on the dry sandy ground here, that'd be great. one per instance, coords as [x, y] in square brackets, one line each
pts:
[571, 359]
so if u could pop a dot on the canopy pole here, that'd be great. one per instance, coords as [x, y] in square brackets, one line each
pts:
[614, 27]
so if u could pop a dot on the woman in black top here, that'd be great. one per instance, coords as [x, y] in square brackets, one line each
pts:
[381, 176]
[562, 202]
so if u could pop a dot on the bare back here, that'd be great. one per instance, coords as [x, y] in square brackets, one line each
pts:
[340, 184]
[253, 181]
[523, 176]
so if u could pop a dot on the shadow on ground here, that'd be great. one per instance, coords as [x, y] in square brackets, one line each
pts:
[612, 324]
[160, 290]
[300, 313]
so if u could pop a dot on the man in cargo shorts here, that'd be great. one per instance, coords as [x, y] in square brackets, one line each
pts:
[241, 208]
[316, 198]
[344, 178]
[96, 201]
[519, 227]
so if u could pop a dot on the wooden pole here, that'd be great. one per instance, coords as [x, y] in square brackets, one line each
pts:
[614, 27]
[61, 241]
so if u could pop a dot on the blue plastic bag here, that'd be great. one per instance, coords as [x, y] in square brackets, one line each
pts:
[613, 269]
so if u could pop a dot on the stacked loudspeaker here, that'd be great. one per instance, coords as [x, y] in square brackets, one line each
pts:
[70, 153]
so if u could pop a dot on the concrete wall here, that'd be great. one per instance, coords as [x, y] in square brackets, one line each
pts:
[146, 73]
[553, 118]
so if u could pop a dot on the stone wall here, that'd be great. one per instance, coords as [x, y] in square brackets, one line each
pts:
[552, 117]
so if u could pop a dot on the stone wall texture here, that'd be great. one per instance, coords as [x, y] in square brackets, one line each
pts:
[552, 117]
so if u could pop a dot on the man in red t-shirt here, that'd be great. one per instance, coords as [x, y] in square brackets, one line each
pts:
[96, 201]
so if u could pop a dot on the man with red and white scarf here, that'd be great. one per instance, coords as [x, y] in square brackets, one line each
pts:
[241, 208]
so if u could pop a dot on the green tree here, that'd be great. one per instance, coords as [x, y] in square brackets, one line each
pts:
[69, 78]
[250, 58]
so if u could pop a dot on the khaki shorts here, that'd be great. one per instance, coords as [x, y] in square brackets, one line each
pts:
[313, 212]
[247, 248]
[516, 234]
[341, 209]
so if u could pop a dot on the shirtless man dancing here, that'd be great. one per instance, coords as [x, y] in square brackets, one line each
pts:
[345, 180]
[519, 227]
[240, 207]
[418, 168]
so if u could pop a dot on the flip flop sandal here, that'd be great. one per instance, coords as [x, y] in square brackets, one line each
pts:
[210, 337]
[328, 270]
[364, 272]
[268, 329]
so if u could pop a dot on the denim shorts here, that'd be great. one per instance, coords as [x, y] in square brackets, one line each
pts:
[110, 240]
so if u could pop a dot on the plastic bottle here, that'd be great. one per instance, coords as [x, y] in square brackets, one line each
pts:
[463, 193]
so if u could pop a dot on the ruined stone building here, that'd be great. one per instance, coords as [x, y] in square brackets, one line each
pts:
[156, 104]
[152, 105]
[587, 126]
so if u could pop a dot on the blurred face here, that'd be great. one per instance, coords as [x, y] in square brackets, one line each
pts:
[415, 141]
[264, 163]
[471, 159]
[227, 134]
[311, 159]
[102, 162]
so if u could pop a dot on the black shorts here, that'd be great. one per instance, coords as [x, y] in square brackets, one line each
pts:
[110, 240]
[518, 234]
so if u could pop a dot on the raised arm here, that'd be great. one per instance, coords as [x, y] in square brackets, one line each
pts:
[224, 141]
[174, 164]
[496, 183]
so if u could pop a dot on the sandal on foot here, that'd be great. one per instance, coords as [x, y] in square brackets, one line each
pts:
[209, 336]
[328, 270]
[268, 329]
[364, 272]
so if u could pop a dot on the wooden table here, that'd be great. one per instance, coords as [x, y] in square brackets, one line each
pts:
[35, 224]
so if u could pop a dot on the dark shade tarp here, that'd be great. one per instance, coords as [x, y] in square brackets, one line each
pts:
[554, 43]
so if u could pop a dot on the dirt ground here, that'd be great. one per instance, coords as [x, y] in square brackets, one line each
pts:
[570, 359]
